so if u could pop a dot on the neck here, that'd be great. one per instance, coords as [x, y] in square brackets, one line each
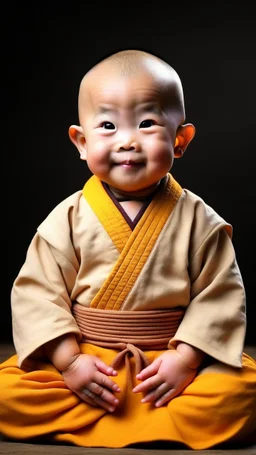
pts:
[140, 195]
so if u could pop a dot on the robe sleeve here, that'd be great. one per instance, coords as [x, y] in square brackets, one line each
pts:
[40, 299]
[215, 320]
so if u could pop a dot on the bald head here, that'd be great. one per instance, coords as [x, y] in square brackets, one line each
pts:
[128, 64]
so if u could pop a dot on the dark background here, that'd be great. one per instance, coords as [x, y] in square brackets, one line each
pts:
[49, 49]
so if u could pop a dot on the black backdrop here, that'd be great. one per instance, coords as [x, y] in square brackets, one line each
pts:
[49, 48]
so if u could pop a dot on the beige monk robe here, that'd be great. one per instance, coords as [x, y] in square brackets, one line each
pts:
[69, 265]
[192, 265]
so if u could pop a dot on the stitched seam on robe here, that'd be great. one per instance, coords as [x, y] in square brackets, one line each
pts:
[135, 250]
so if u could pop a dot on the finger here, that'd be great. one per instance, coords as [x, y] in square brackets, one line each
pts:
[104, 368]
[88, 397]
[150, 370]
[88, 394]
[149, 384]
[103, 393]
[156, 394]
[166, 398]
[96, 401]
[106, 382]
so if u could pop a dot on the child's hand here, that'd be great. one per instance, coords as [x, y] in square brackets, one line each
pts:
[88, 377]
[164, 379]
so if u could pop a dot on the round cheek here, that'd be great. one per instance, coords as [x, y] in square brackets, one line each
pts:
[99, 147]
[97, 150]
[161, 152]
[97, 157]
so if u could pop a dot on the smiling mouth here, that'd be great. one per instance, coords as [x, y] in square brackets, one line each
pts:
[129, 163]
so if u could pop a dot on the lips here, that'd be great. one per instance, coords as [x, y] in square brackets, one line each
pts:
[130, 163]
[128, 159]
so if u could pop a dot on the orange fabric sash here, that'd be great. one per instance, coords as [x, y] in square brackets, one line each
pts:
[129, 331]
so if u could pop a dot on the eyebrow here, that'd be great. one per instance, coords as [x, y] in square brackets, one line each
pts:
[144, 107]
[150, 107]
[105, 110]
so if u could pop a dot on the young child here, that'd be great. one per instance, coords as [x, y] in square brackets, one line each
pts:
[129, 311]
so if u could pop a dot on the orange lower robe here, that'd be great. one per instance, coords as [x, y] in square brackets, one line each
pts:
[218, 406]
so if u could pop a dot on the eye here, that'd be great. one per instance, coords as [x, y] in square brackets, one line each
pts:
[108, 125]
[147, 123]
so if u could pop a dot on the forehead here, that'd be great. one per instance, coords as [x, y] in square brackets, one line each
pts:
[115, 89]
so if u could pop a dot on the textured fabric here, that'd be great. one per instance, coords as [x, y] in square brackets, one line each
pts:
[134, 250]
[182, 260]
[127, 330]
[217, 406]
[192, 265]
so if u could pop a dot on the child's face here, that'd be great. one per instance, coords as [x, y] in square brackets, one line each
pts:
[129, 135]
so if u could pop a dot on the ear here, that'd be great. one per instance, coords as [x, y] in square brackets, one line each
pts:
[77, 137]
[184, 136]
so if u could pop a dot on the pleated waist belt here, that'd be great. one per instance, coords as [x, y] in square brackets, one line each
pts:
[131, 332]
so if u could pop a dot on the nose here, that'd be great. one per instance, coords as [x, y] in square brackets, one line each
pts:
[128, 142]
